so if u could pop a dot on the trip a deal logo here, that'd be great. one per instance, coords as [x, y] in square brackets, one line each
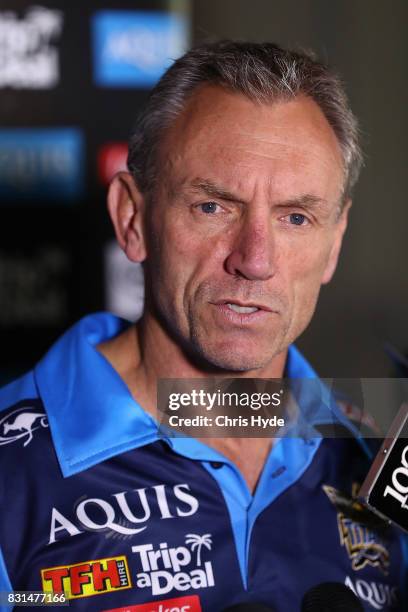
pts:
[134, 48]
[177, 568]
[87, 578]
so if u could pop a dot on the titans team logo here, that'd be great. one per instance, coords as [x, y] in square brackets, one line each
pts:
[359, 531]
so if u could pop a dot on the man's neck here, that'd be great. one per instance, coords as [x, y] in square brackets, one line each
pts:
[144, 353]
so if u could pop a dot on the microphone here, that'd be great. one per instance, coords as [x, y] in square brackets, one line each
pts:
[325, 597]
[331, 597]
[385, 489]
[249, 607]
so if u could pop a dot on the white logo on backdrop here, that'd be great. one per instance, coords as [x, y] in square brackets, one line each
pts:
[124, 284]
[28, 59]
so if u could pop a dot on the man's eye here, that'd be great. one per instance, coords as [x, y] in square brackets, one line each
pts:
[298, 219]
[209, 207]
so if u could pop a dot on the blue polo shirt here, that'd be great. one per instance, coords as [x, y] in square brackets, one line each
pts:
[101, 504]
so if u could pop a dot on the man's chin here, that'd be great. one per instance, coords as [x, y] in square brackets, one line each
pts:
[233, 360]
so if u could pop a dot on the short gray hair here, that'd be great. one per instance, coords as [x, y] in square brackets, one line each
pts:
[261, 71]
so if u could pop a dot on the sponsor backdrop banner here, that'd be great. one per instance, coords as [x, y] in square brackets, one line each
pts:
[41, 164]
[73, 78]
[134, 48]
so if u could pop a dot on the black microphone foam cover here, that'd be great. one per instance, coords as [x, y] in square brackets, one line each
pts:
[331, 597]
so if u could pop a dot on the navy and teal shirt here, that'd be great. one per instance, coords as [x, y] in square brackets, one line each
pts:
[98, 503]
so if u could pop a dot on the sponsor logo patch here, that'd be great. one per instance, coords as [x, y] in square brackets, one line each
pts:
[376, 594]
[122, 516]
[190, 603]
[20, 425]
[176, 568]
[88, 578]
[363, 545]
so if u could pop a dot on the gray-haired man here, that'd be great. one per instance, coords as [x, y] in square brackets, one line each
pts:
[236, 201]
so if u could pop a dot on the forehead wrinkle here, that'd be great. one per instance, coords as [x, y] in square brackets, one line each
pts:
[314, 152]
[324, 153]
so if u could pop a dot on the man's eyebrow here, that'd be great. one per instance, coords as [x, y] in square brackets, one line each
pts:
[215, 191]
[306, 200]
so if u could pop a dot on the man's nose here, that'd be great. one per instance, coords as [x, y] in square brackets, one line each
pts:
[253, 253]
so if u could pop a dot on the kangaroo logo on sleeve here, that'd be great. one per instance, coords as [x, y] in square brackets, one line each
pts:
[20, 424]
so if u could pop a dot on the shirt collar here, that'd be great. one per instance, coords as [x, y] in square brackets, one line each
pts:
[93, 416]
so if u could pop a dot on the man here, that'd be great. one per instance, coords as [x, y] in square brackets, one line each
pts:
[236, 201]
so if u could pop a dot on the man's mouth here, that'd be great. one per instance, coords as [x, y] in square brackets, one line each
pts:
[241, 313]
[242, 309]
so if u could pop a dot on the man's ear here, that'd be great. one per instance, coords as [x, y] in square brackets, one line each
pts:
[341, 225]
[126, 207]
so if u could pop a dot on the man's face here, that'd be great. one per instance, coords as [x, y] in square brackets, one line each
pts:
[244, 225]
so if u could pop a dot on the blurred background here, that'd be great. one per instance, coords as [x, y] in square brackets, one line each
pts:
[73, 77]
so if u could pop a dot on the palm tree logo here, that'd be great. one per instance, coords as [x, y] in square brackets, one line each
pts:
[197, 542]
